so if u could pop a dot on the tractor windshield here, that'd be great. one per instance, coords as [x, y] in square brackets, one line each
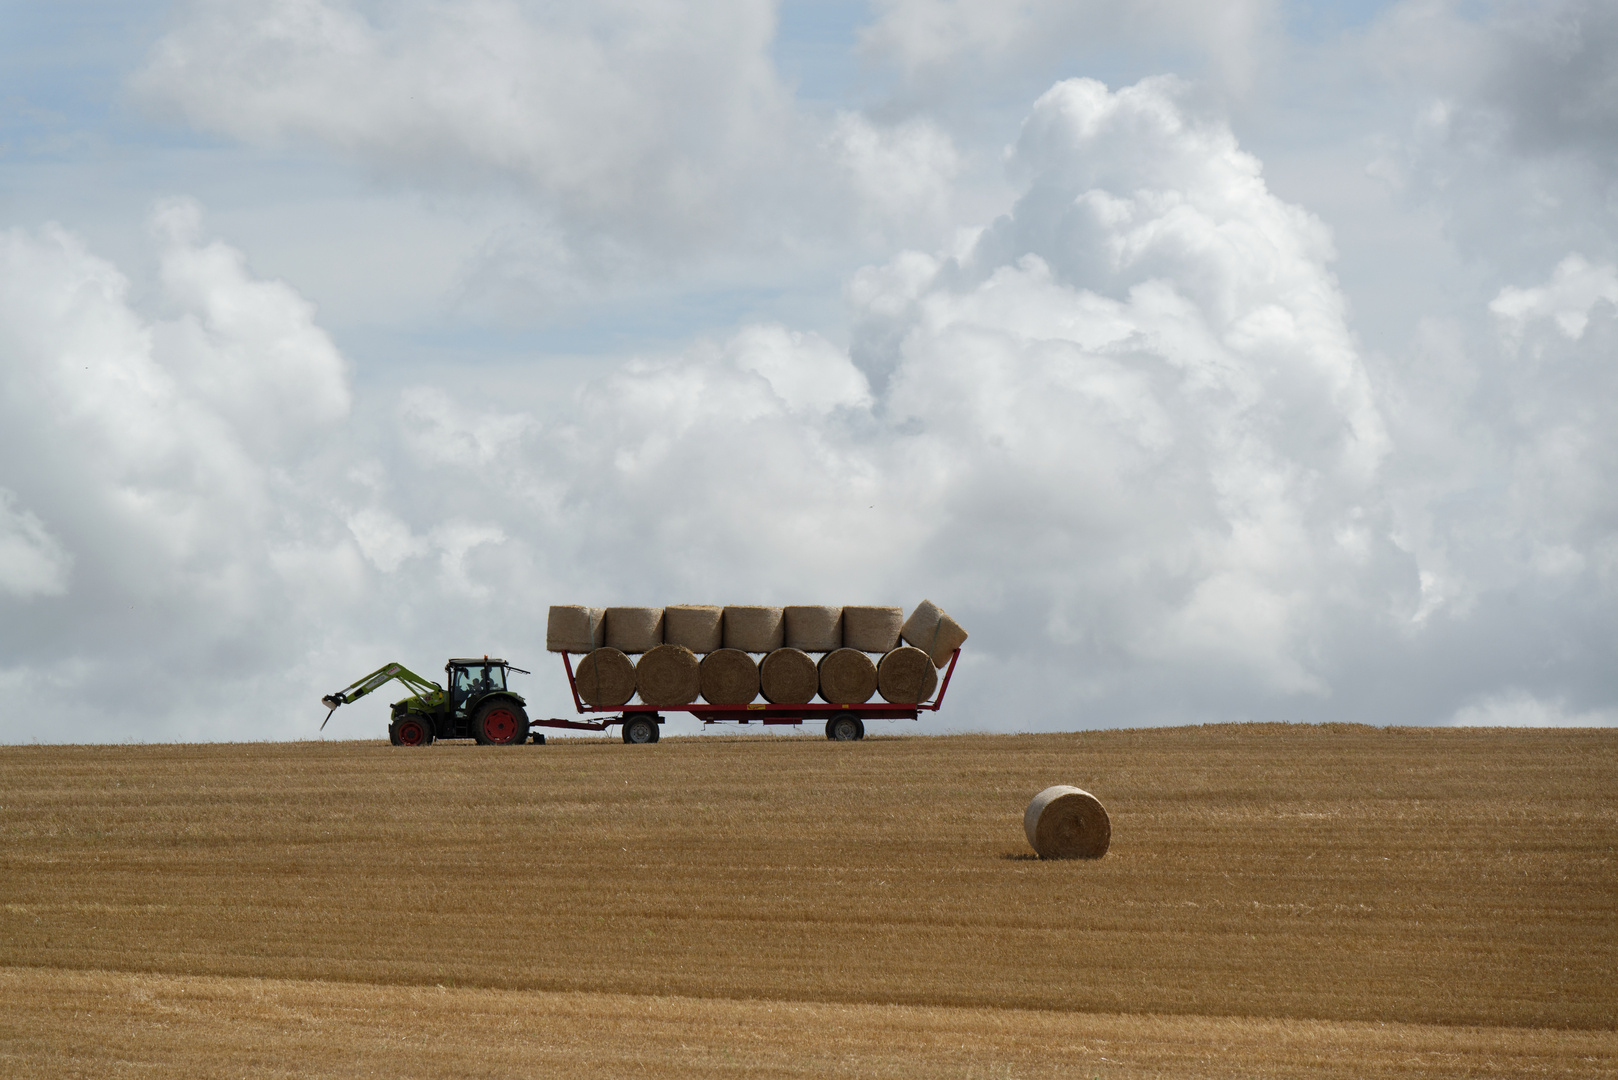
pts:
[476, 679]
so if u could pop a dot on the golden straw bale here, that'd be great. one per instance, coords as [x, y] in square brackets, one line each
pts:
[813, 628]
[606, 678]
[634, 629]
[696, 626]
[847, 677]
[788, 677]
[668, 675]
[574, 629]
[933, 632]
[872, 629]
[754, 629]
[1067, 823]
[729, 677]
[902, 675]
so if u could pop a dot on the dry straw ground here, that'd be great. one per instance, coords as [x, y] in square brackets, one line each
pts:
[1278, 901]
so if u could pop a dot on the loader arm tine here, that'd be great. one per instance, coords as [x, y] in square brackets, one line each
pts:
[328, 717]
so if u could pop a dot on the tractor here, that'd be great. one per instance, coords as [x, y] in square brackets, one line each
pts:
[477, 704]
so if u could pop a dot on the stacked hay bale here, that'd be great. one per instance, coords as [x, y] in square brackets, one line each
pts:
[688, 651]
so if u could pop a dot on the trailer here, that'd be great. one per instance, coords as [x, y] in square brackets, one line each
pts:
[843, 722]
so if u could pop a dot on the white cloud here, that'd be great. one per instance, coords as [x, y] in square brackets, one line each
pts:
[1517, 707]
[32, 561]
[1566, 299]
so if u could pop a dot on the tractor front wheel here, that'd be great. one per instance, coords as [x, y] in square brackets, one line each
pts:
[410, 731]
[500, 723]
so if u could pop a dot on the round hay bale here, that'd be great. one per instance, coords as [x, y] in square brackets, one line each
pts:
[929, 683]
[606, 678]
[634, 629]
[788, 677]
[872, 629]
[933, 632]
[668, 675]
[754, 629]
[696, 626]
[847, 677]
[1067, 823]
[729, 677]
[814, 629]
[902, 675]
[575, 629]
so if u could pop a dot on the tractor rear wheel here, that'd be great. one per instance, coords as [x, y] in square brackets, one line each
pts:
[500, 723]
[640, 729]
[410, 731]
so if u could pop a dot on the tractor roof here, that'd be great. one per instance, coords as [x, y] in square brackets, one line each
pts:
[480, 660]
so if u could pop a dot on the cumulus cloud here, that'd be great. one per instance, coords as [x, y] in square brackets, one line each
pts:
[32, 561]
[934, 41]
[170, 456]
[637, 131]
[1575, 288]
[1123, 430]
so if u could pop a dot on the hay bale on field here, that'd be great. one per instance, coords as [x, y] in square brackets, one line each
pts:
[754, 629]
[634, 629]
[699, 627]
[933, 632]
[668, 675]
[788, 677]
[872, 629]
[847, 677]
[606, 678]
[729, 677]
[813, 628]
[901, 677]
[574, 628]
[1067, 823]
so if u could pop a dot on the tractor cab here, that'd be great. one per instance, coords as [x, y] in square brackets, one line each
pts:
[470, 680]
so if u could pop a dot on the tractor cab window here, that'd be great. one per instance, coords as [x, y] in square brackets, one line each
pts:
[476, 679]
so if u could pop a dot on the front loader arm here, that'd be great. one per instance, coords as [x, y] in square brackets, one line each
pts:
[382, 675]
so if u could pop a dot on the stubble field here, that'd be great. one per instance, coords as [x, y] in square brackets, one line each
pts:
[1278, 901]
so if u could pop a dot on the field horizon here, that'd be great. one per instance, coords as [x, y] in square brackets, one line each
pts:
[1315, 899]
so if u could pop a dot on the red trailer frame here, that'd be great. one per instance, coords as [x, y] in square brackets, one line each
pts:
[763, 712]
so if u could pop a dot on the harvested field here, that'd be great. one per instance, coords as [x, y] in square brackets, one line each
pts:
[1277, 901]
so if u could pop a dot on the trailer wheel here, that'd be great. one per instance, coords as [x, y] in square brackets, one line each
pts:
[500, 723]
[410, 731]
[845, 728]
[640, 729]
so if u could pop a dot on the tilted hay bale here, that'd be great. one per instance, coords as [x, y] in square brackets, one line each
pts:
[814, 628]
[847, 677]
[606, 678]
[634, 629]
[668, 675]
[696, 626]
[872, 629]
[788, 677]
[933, 632]
[754, 629]
[1067, 823]
[575, 629]
[729, 677]
[901, 677]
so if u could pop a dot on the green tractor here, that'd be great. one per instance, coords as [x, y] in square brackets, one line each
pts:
[477, 704]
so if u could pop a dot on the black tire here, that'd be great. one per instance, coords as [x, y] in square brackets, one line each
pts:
[537, 739]
[640, 729]
[500, 723]
[410, 731]
[845, 728]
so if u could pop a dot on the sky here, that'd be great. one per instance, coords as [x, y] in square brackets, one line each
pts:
[1208, 363]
